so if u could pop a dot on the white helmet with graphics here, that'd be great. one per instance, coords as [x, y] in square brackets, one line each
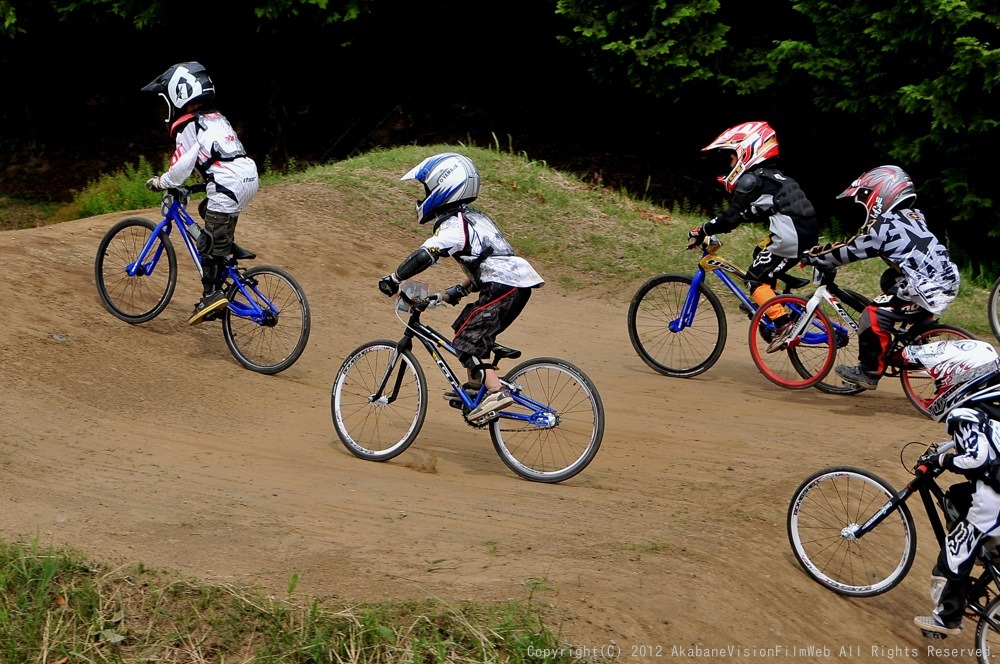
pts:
[449, 179]
[965, 371]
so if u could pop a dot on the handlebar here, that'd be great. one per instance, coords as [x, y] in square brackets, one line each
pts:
[183, 193]
[421, 303]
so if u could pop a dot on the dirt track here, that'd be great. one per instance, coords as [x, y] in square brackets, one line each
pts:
[150, 443]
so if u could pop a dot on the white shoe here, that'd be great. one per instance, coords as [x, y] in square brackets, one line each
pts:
[932, 624]
[493, 401]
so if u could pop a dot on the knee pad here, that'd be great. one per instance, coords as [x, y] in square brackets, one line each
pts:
[218, 225]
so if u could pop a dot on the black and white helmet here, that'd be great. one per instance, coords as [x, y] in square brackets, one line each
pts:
[448, 178]
[180, 85]
[965, 371]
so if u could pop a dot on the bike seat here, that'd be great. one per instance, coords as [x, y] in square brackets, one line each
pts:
[502, 352]
[241, 254]
[793, 282]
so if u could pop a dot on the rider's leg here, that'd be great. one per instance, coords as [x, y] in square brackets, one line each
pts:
[220, 228]
[762, 277]
[476, 329]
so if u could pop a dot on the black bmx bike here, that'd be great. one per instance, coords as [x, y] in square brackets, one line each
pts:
[854, 534]
[379, 399]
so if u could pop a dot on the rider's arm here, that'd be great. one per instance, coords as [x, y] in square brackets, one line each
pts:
[852, 249]
[969, 429]
[745, 192]
[184, 158]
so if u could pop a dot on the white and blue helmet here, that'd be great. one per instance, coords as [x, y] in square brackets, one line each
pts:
[965, 371]
[448, 178]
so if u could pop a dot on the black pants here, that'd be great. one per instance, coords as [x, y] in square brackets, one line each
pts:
[477, 327]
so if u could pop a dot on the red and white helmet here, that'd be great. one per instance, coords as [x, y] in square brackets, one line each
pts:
[964, 371]
[753, 143]
[880, 190]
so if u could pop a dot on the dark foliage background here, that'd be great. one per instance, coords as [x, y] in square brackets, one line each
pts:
[304, 90]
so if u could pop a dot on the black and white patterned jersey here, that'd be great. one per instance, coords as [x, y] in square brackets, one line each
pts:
[901, 238]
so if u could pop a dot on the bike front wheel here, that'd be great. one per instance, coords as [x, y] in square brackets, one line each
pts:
[987, 637]
[845, 333]
[139, 298]
[993, 309]
[824, 514]
[654, 319]
[806, 358]
[554, 428]
[266, 325]
[378, 400]
[918, 385]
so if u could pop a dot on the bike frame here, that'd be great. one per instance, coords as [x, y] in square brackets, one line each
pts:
[931, 494]
[433, 341]
[175, 213]
[722, 268]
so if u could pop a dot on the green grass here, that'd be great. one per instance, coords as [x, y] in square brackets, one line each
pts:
[55, 607]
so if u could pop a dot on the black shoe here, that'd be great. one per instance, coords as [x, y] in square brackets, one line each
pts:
[471, 388]
[212, 302]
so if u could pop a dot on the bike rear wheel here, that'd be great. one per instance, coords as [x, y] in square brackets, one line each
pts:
[140, 298]
[993, 309]
[683, 353]
[918, 385]
[824, 512]
[808, 357]
[567, 427]
[371, 426]
[273, 344]
[988, 638]
[846, 337]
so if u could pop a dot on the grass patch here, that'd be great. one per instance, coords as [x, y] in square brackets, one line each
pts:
[55, 607]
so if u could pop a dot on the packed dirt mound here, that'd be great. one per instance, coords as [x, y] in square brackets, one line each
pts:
[150, 443]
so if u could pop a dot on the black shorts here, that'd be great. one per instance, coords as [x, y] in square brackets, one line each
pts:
[477, 327]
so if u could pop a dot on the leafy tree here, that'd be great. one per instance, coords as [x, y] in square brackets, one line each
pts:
[912, 82]
[924, 76]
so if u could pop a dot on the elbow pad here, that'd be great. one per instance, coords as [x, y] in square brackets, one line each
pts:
[415, 263]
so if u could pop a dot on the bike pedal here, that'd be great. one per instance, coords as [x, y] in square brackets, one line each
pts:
[936, 636]
[486, 419]
[456, 403]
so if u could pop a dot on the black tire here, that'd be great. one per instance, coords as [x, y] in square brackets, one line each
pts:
[917, 384]
[377, 430]
[684, 354]
[823, 509]
[846, 338]
[562, 441]
[140, 298]
[987, 638]
[273, 344]
[807, 359]
[993, 309]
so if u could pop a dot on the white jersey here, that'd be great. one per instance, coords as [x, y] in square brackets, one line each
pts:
[207, 141]
[467, 235]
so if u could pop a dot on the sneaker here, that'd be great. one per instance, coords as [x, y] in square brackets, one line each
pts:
[493, 401]
[857, 376]
[934, 624]
[781, 336]
[212, 302]
[471, 388]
